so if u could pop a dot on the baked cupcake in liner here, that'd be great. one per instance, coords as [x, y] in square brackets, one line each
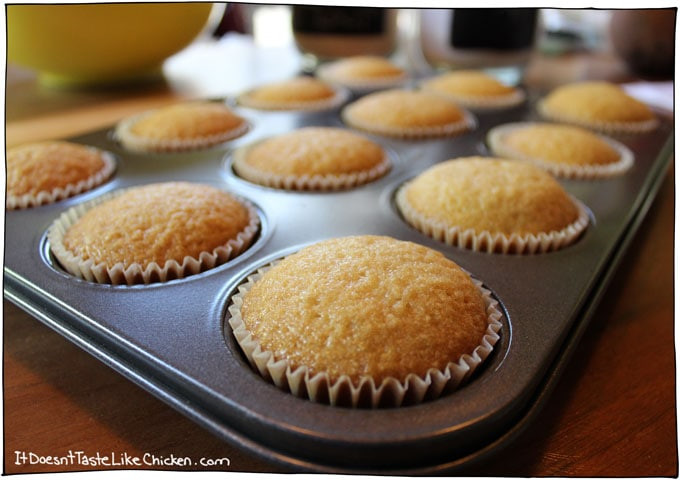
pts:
[363, 73]
[363, 388]
[46, 172]
[407, 114]
[566, 151]
[598, 105]
[312, 159]
[301, 93]
[181, 127]
[131, 226]
[474, 89]
[496, 206]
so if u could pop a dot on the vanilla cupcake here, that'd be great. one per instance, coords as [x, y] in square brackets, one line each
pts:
[301, 93]
[181, 127]
[600, 106]
[407, 114]
[492, 205]
[152, 233]
[567, 151]
[312, 158]
[363, 72]
[46, 172]
[474, 89]
[365, 321]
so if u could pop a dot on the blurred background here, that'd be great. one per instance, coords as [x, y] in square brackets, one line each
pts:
[207, 50]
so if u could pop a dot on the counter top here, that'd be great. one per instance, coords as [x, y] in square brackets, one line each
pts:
[612, 413]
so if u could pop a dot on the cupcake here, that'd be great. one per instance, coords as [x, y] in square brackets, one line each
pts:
[181, 127]
[298, 93]
[567, 151]
[363, 72]
[492, 205]
[365, 321]
[598, 105]
[474, 89]
[152, 233]
[407, 114]
[46, 172]
[312, 158]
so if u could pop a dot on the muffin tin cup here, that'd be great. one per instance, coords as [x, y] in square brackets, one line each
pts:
[605, 127]
[483, 102]
[465, 124]
[43, 198]
[365, 392]
[583, 172]
[341, 95]
[494, 242]
[137, 143]
[361, 86]
[328, 182]
[135, 273]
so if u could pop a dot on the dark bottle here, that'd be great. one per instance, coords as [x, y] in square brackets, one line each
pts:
[480, 38]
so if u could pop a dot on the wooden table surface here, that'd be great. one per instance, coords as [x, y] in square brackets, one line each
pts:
[613, 412]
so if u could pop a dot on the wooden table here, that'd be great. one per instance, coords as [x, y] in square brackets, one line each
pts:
[612, 413]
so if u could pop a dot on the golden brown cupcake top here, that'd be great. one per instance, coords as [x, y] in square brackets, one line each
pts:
[596, 104]
[187, 120]
[366, 305]
[562, 144]
[315, 151]
[405, 113]
[362, 70]
[157, 223]
[491, 194]
[46, 166]
[292, 93]
[181, 127]
[469, 86]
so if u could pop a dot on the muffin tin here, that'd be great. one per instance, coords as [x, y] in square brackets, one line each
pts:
[173, 340]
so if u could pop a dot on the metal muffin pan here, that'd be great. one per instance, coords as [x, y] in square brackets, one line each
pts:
[171, 339]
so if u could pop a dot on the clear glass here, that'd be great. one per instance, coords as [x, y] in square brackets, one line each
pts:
[496, 40]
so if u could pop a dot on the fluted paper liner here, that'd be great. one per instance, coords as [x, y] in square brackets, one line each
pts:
[139, 143]
[483, 102]
[135, 273]
[361, 85]
[493, 242]
[465, 124]
[641, 126]
[394, 392]
[496, 136]
[327, 182]
[14, 202]
[341, 95]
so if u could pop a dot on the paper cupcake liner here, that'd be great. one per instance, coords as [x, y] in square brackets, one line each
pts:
[581, 172]
[14, 202]
[365, 392]
[340, 97]
[326, 182]
[483, 102]
[601, 126]
[467, 123]
[137, 143]
[135, 273]
[361, 85]
[488, 242]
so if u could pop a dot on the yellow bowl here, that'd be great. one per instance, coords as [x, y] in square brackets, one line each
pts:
[77, 44]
